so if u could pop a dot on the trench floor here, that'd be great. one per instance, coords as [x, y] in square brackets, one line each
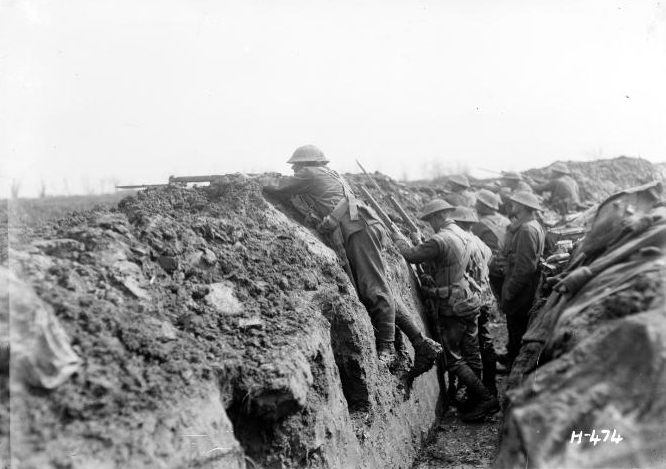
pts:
[458, 445]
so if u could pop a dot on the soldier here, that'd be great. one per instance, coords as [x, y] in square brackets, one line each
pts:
[448, 253]
[480, 260]
[491, 229]
[515, 181]
[564, 195]
[523, 248]
[511, 183]
[362, 237]
[460, 194]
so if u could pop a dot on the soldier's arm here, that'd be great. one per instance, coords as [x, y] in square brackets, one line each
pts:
[423, 252]
[288, 185]
[526, 261]
[544, 187]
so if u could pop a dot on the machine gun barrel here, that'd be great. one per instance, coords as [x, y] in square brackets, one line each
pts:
[186, 179]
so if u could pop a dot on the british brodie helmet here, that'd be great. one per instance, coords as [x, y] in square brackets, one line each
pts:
[527, 199]
[435, 206]
[307, 154]
[488, 198]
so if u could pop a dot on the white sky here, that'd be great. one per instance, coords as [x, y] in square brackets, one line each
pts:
[94, 90]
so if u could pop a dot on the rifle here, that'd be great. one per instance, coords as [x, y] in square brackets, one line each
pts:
[371, 178]
[405, 217]
[382, 214]
[416, 269]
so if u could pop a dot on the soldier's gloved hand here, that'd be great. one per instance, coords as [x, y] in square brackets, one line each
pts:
[430, 292]
[267, 182]
[326, 225]
[311, 220]
[416, 237]
[427, 281]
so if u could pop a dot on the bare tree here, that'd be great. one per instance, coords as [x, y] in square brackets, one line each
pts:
[42, 189]
[16, 187]
[114, 182]
[404, 174]
[87, 187]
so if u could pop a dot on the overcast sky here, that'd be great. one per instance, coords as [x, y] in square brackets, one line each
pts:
[92, 91]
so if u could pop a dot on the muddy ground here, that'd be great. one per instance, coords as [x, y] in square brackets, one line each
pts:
[458, 445]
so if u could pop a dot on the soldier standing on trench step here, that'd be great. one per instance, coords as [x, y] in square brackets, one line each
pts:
[360, 239]
[465, 218]
[564, 195]
[448, 255]
[520, 258]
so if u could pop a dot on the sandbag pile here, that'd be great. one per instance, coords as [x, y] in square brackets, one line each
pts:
[594, 356]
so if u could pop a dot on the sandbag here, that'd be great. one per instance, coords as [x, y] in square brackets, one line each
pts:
[41, 354]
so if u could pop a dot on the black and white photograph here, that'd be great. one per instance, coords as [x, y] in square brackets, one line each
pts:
[332, 234]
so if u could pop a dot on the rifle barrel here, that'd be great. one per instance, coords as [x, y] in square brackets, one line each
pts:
[405, 217]
[381, 191]
[382, 214]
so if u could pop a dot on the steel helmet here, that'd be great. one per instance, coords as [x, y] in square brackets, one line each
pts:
[460, 179]
[433, 207]
[512, 175]
[307, 154]
[527, 199]
[464, 214]
[560, 168]
[488, 198]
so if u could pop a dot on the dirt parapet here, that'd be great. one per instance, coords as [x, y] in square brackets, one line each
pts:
[599, 179]
[204, 313]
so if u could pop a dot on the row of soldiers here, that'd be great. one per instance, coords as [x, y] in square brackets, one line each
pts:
[563, 190]
[468, 263]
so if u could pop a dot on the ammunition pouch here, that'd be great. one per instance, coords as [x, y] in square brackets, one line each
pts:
[463, 299]
[459, 298]
[332, 220]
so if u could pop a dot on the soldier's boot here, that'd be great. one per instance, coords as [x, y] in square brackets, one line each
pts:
[426, 352]
[502, 358]
[386, 353]
[505, 361]
[483, 403]
[489, 371]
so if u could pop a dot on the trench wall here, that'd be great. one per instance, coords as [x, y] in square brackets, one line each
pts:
[213, 331]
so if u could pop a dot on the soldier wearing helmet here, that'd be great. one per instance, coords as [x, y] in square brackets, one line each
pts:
[511, 182]
[523, 247]
[460, 193]
[447, 254]
[484, 362]
[358, 237]
[491, 227]
[564, 192]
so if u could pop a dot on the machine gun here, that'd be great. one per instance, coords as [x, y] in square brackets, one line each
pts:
[184, 180]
